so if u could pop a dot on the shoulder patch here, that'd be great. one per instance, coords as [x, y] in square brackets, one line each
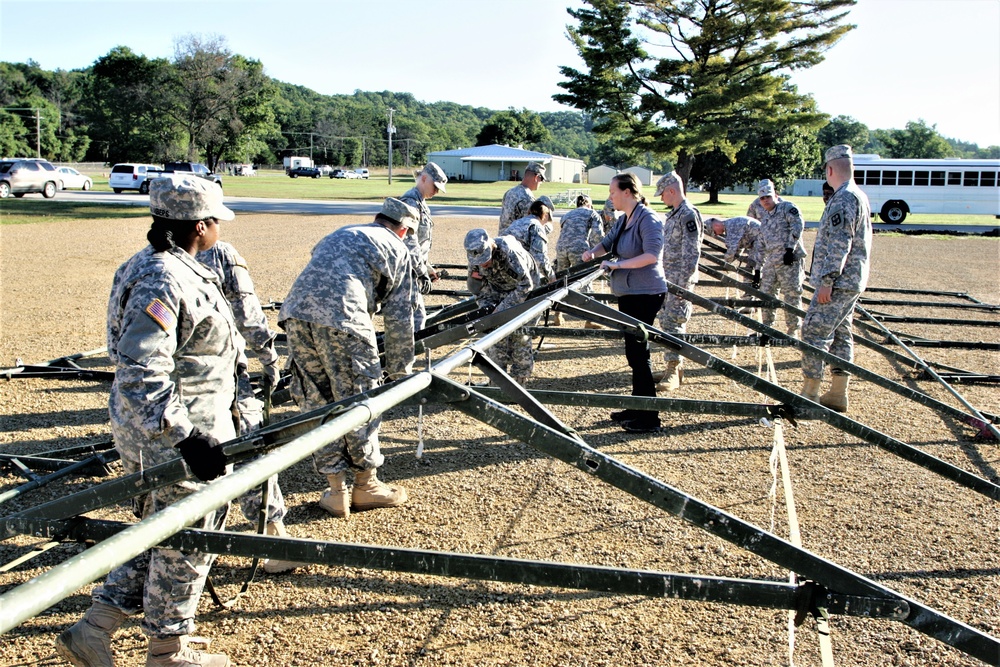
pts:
[835, 219]
[793, 210]
[692, 226]
[161, 314]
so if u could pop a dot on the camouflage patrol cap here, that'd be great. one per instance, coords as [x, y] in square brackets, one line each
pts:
[478, 247]
[400, 212]
[548, 202]
[187, 197]
[536, 168]
[436, 174]
[838, 152]
[765, 188]
[673, 179]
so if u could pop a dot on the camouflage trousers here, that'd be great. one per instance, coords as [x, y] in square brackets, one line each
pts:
[251, 418]
[328, 365]
[569, 257]
[673, 317]
[775, 277]
[514, 354]
[419, 311]
[164, 583]
[828, 327]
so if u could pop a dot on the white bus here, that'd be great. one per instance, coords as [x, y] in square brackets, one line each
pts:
[896, 187]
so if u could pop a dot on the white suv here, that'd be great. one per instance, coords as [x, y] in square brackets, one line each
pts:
[129, 176]
[362, 172]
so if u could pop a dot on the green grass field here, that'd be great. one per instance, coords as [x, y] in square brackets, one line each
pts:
[276, 185]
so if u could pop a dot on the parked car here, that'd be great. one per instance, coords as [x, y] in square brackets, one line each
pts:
[132, 176]
[338, 173]
[351, 174]
[70, 178]
[325, 170]
[188, 167]
[21, 176]
[308, 172]
[362, 173]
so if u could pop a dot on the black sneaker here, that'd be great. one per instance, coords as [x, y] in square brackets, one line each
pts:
[642, 425]
[624, 415]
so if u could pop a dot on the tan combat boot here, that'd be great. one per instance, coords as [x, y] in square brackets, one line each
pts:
[557, 320]
[337, 499]
[670, 379]
[174, 652]
[271, 565]
[87, 643]
[370, 493]
[592, 325]
[810, 389]
[836, 398]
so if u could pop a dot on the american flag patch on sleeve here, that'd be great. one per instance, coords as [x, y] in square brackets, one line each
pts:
[161, 314]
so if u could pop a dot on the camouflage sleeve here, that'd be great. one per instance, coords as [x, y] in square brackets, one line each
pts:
[795, 223]
[539, 251]
[397, 311]
[841, 217]
[247, 311]
[144, 353]
[595, 229]
[691, 244]
[412, 244]
[734, 237]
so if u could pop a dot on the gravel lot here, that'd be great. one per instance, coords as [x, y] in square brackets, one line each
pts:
[477, 491]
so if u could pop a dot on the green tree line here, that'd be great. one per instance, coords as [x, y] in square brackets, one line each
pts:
[208, 104]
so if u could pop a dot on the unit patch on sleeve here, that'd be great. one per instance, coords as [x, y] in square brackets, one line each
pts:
[692, 226]
[835, 219]
[161, 314]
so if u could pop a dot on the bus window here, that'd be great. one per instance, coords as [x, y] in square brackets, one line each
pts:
[906, 178]
[871, 177]
[971, 178]
[921, 178]
[954, 178]
[859, 176]
[888, 178]
[988, 179]
[937, 178]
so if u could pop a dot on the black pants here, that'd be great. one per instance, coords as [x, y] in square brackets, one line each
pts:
[643, 307]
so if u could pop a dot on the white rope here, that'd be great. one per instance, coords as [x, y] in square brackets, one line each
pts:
[778, 459]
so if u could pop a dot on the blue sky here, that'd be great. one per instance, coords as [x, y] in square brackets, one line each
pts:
[936, 60]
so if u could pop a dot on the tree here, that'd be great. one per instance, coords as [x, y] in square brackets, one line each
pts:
[918, 140]
[221, 100]
[120, 101]
[844, 130]
[512, 128]
[679, 77]
[713, 171]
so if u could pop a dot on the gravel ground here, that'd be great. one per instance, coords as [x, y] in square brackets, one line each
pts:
[477, 491]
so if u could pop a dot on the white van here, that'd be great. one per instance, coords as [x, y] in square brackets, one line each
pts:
[130, 176]
[362, 172]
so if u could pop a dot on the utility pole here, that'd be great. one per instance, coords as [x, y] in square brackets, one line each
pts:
[390, 130]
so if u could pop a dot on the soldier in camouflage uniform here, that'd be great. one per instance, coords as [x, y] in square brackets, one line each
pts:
[237, 285]
[500, 275]
[608, 216]
[517, 200]
[175, 347]
[741, 235]
[579, 231]
[532, 232]
[682, 235]
[331, 340]
[781, 235]
[839, 272]
[431, 180]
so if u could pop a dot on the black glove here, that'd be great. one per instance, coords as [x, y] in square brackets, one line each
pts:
[204, 455]
[789, 257]
[755, 283]
[424, 284]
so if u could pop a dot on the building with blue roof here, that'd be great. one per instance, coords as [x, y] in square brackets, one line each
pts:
[504, 163]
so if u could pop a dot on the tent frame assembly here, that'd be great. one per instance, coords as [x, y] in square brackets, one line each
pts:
[827, 587]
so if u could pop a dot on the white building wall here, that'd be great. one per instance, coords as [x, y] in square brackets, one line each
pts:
[601, 175]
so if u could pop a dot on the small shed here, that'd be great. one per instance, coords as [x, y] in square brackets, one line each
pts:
[601, 175]
[504, 163]
[644, 175]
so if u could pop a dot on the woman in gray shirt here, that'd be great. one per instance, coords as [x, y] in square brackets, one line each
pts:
[637, 279]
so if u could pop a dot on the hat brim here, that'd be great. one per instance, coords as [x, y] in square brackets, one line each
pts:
[223, 212]
[440, 186]
[480, 257]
